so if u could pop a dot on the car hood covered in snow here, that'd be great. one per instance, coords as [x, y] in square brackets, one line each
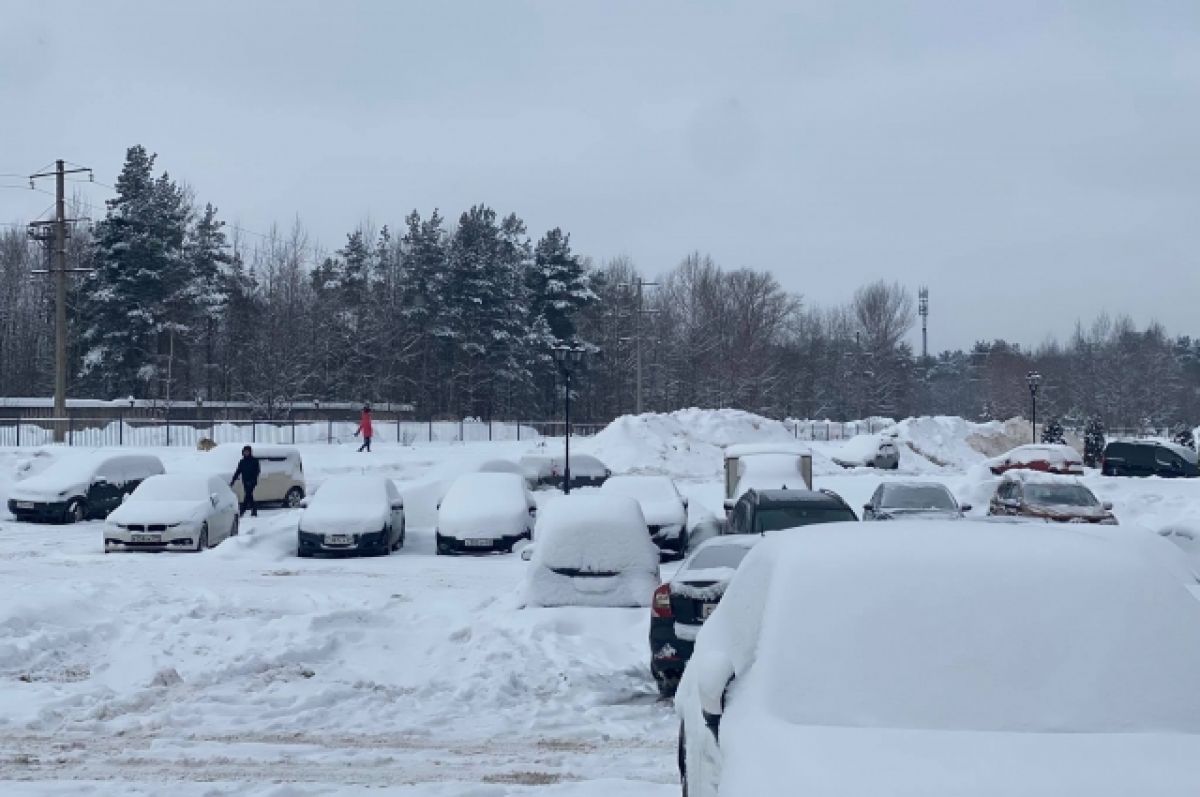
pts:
[159, 512]
[343, 518]
[485, 505]
[773, 757]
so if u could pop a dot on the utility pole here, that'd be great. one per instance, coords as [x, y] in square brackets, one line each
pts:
[58, 268]
[639, 285]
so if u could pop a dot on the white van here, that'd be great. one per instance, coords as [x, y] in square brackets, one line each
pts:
[281, 480]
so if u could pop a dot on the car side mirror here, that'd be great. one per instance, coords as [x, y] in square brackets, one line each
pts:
[526, 553]
[1107, 505]
[714, 671]
[965, 507]
[729, 504]
[303, 503]
[868, 508]
[533, 510]
[397, 505]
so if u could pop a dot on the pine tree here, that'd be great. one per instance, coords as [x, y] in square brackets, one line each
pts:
[1053, 432]
[136, 298]
[1093, 441]
[559, 285]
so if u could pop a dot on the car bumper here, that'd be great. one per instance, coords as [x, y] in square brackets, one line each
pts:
[180, 538]
[669, 538]
[358, 543]
[476, 544]
[37, 510]
[669, 654]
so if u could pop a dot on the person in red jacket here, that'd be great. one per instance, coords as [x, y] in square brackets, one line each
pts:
[364, 428]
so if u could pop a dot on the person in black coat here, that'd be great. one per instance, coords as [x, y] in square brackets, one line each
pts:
[247, 470]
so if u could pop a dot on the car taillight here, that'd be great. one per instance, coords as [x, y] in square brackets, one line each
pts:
[661, 605]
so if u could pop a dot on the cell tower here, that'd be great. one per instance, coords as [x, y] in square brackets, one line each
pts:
[923, 309]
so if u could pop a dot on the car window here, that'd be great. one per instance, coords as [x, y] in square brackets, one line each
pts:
[718, 556]
[1061, 495]
[786, 517]
[918, 497]
[109, 471]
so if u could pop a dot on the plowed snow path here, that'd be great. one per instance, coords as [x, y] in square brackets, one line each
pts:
[244, 667]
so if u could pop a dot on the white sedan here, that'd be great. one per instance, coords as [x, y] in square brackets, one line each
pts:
[948, 659]
[173, 512]
[664, 508]
[356, 513]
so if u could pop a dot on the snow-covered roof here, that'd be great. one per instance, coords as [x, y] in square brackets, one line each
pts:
[484, 504]
[593, 532]
[751, 449]
[174, 487]
[1050, 452]
[1038, 477]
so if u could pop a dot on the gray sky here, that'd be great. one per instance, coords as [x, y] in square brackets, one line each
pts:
[1032, 162]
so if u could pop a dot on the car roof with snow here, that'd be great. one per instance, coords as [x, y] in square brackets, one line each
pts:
[770, 498]
[754, 449]
[1048, 449]
[586, 529]
[1038, 477]
[351, 488]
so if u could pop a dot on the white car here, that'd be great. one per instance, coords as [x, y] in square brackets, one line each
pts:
[592, 550]
[663, 507]
[948, 659]
[485, 512]
[173, 512]
[355, 513]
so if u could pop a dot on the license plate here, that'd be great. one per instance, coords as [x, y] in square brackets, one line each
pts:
[337, 539]
[707, 609]
[24, 505]
[146, 537]
[479, 543]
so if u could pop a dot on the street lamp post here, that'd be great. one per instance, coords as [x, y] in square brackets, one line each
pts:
[568, 359]
[1034, 380]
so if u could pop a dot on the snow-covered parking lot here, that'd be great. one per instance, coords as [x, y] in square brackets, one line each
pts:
[246, 670]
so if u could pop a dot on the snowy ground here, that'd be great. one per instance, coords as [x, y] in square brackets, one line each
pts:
[245, 670]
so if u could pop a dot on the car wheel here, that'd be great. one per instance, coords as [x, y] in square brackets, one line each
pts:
[77, 512]
[667, 684]
[293, 498]
[303, 554]
[202, 542]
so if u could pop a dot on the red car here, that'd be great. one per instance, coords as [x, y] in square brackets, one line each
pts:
[1045, 457]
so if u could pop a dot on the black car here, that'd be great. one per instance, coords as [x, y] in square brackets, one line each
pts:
[760, 511]
[681, 606]
[1148, 458]
[900, 500]
[79, 486]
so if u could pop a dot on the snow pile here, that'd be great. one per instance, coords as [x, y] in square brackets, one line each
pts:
[685, 443]
[485, 506]
[592, 550]
[952, 442]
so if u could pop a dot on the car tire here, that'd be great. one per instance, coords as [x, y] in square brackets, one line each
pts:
[202, 541]
[303, 554]
[293, 498]
[76, 511]
[667, 684]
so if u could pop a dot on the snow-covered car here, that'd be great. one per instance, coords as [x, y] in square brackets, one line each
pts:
[173, 512]
[81, 485]
[663, 507]
[681, 605]
[949, 659]
[1044, 457]
[281, 471]
[592, 550]
[485, 512]
[761, 511]
[502, 466]
[869, 451]
[1041, 496]
[355, 513]
[909, 500]
[547, 470]
[766, 466]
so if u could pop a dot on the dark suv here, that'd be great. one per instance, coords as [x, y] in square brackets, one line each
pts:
[1148, 458]
[760, 511]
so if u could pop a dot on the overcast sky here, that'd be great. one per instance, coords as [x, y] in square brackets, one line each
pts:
[1034, 163]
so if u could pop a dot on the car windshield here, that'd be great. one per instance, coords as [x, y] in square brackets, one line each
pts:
[718, 556]
[349, 490]
[171, 488]
[646, 488]
[1060, 495]
[786, 517]
[917, 497]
